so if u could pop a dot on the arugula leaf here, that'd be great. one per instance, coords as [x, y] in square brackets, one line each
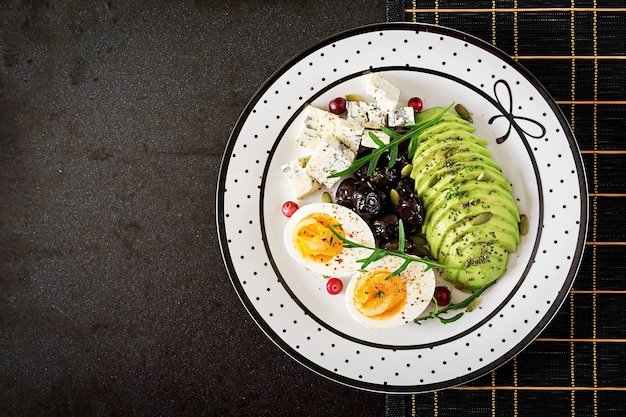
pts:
[378, 254]
[437, 312]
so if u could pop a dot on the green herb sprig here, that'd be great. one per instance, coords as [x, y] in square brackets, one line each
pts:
[378, 254]
[396, 139]
[436, 314]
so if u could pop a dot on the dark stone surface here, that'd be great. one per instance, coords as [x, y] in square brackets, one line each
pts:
[113, 297]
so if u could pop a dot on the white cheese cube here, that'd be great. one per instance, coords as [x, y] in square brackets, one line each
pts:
[330, 156]
[300, 182]
[367, 141]
[402, 116]
[320, 124]
[349, 133]
[368, 115]
[385, 93]
[316, 125]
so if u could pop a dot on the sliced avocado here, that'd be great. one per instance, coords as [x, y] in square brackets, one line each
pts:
[483, 263]
[426, 167]
[471, 220]
[459, 175]
[473, 171]
[446, 126]
[451, 187]
[488, 193]
[470, 205]
[429, 114]
[499, 227]
[447, 148]
[476, 169]
[448, 135]
[447, 210]
[499, 230]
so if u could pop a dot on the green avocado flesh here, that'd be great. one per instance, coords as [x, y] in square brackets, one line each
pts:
[472, 221]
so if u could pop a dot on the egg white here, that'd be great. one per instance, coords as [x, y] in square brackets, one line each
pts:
[355, 228]
[420, 287]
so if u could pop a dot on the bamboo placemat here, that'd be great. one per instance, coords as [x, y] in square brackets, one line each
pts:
[577, 50]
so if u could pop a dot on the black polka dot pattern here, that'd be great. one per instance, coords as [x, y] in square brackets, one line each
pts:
[538, 155]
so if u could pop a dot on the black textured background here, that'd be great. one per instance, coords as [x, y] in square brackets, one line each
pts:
[113, 297]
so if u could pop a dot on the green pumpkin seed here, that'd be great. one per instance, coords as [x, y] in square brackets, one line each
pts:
[483, 176]
[419, 240]
[482, 218]
[472, 305]
[354, 97]
[394, 196]
[326, 198]
[422, 250]
[406, 170]
[433, 180]
[523, 225]
[462, 111]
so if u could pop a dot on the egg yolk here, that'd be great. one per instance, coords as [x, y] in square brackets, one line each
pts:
[314, 239]
[377, 297]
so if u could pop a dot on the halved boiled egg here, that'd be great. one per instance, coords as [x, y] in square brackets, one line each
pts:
[380, 303]
[310, 241]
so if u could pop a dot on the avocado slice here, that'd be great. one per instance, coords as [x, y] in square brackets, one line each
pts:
[424, 167]
[473, 170]
[447, 148]
[454, 186]
[499, 229]
[499, 226]
[483, 264]
[441, 128]
[450, 210]
[468, 191]
[430, 113]
[470, 235]
[471, 222]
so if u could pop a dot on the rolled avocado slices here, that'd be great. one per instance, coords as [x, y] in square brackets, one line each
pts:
[471, 219]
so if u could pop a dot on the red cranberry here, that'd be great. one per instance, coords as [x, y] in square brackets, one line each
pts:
[416, 103]
[442, 295]
[337, 105]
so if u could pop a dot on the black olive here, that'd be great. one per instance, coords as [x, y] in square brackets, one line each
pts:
[345, 192]
[368, 202]
[398, 164]
[385, 227]
[406, 187]
[383, 178]
[411, 211]
[393, 245]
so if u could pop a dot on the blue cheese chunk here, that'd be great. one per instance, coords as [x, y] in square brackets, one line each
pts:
[330, 156]
[385, 93]
[403, 116]
[300, 182]
[366, 140]
[320, 125]
[369, 115]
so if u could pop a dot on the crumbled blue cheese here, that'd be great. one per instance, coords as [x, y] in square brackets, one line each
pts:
[330, 156]
[300, 182]
[368, 115]
[402, 116]
[366, 140]
[385, 93]
[320, 124]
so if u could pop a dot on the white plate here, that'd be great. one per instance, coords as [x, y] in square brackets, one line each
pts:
[536, 150]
